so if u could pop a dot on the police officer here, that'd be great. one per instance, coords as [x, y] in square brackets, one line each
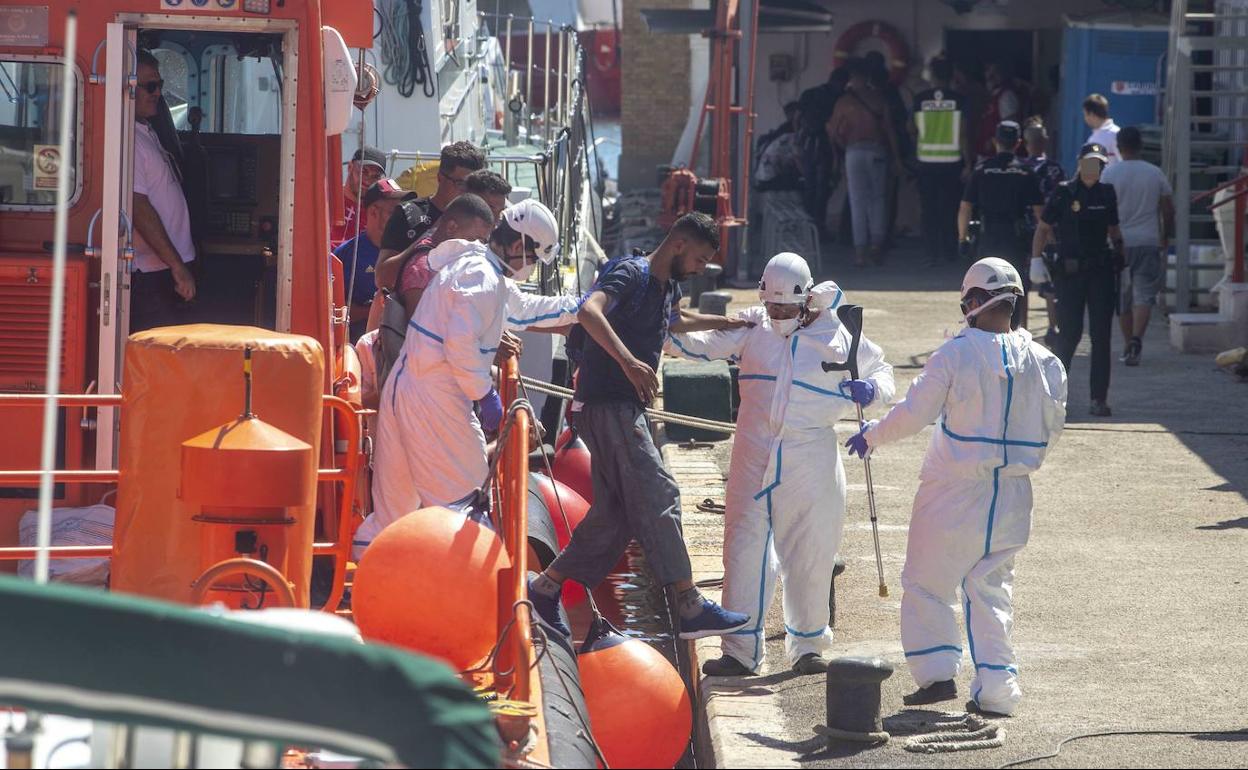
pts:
[1002, 188]
[945, 162]
[1084, 214]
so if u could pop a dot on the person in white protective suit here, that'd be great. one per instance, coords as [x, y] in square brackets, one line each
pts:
[430, 448]
[785, 503]
[999, 400]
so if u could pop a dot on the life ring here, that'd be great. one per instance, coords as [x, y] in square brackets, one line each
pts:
[897, 55]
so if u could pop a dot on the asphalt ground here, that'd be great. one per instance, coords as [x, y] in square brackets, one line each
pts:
[1131, 603]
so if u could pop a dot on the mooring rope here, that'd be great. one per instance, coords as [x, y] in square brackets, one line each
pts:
[655, 414]
[967, 734]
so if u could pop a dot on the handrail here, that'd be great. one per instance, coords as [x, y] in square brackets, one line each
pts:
[339, 548]
[513, 595]
[1241, 179]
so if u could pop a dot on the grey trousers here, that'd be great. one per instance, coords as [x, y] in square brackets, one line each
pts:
[634, 497]
[866, 174]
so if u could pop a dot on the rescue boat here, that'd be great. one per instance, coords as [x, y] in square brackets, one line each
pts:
[235, 453]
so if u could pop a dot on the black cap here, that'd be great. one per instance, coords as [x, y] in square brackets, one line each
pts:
[381, 189]
[1094, 150]
[370, 156]
[1007, 133]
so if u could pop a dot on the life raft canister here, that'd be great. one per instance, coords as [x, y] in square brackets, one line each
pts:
[897, 53]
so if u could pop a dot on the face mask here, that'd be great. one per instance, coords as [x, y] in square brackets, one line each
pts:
[971, 314]
[523, 274]
[785, 327]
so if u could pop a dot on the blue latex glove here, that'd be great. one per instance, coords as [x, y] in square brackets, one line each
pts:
[491, 411]
[860, 391]
[857, 443]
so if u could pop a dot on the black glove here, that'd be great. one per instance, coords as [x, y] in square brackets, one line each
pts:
[1119, 256]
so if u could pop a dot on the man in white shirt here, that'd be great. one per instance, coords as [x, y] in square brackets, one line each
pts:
[160, 281]
[1146, 216]
[1104, 130]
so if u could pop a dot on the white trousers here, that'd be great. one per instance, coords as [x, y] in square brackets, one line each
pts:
[964, 534]
[791, 525]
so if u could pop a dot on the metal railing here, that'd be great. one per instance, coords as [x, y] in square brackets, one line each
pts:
[339, 549]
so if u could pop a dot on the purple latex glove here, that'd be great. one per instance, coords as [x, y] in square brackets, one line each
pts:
[857, 443]
[491, 406]
[860, 391]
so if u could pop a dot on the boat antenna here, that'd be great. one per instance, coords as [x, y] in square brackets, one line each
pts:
[52, 377]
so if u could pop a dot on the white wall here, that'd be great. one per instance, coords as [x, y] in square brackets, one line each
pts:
[921, 22]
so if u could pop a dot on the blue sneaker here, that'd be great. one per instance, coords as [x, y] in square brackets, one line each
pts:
[548, 609]
[713, 620]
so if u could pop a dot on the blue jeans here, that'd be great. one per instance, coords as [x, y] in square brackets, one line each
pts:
[866, 173]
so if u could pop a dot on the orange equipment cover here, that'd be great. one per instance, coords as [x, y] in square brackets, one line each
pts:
[179, 382]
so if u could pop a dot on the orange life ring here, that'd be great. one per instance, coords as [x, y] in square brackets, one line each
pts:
[898, 53]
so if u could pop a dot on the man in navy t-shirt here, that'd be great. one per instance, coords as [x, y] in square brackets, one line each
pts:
[378, 203]
[627, 317]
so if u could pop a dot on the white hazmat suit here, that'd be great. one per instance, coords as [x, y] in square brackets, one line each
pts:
[1001, 404]
[785, 503]
[430, 449]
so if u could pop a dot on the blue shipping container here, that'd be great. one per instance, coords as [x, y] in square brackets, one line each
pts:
[1123, 63]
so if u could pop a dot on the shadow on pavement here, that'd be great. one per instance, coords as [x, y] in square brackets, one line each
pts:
[1240, 523]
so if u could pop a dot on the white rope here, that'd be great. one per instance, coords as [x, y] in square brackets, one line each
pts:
[969, 734]
[56, 330]
[655, 414]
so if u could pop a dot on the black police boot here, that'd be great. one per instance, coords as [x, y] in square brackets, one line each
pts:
[1100, 409]
[933, 693]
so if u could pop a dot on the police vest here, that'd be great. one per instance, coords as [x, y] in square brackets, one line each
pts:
[940, 125]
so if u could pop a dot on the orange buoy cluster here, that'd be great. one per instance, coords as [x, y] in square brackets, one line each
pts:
[571, 464]
[639, 708]
[424, 583]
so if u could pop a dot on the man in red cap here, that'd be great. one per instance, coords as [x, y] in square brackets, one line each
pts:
[367, 165]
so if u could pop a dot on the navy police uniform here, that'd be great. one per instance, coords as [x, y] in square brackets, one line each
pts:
[1002, 189]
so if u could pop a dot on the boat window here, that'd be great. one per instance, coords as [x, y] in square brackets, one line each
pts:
[30, 110]
[175, 70]
[245, 93]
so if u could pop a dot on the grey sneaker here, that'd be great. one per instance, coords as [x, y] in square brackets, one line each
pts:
[1131, 357]
[810, 663]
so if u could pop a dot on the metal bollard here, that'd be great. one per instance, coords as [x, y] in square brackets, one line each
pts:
[854, 700]
[714, 302]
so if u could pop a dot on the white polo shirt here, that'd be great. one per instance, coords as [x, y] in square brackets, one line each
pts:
[1107, 136]
[155, 177]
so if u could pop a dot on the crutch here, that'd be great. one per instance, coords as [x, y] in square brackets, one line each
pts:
[851, 319]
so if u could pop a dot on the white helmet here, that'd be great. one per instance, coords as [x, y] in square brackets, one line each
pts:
[996, 277]
[532, 219]
[786, 280]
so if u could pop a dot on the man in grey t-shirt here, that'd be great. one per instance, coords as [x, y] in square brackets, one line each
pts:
[1146, 216]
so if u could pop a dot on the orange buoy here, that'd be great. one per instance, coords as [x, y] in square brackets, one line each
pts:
[638, 705]
[424, 583]
[571, 466]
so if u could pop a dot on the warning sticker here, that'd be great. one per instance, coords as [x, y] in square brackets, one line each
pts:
[47, 162]
[1133, 88]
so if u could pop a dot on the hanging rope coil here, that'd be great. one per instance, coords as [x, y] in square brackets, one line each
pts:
[404, 52]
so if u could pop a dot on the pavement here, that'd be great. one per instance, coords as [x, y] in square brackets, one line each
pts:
[1131, 598]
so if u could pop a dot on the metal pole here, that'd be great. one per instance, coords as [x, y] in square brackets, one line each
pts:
[56, 322]
[560, 82]
[546, 85]
[528, 86]
[1183, 177]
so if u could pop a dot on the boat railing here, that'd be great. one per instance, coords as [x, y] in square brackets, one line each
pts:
[339, 549]
[514, 667]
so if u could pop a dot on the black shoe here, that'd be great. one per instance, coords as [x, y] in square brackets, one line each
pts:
[725, 666]
[1100, 409]
[933, 693]
[810, 663]
[1132, 355]
[1050, 339]
[547, 608]
[974, 708]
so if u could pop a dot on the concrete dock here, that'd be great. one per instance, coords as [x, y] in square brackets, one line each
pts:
[1131, 598]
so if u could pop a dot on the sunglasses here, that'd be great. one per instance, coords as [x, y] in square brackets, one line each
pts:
[152, 86]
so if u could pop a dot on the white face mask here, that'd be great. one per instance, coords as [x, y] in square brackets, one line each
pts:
[786, 326]
[523, 274]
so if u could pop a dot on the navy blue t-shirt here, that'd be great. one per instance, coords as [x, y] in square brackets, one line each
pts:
[640, 309]
[365, 268]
